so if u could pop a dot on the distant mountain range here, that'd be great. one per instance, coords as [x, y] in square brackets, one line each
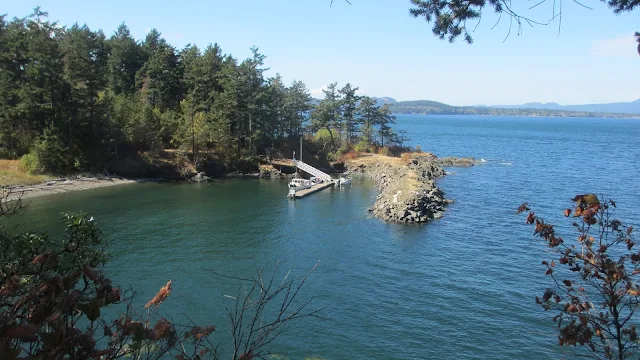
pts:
[438, 108]
[632, 107]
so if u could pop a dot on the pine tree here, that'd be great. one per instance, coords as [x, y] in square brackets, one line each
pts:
[160, 76]
[85, 57]
[369, 114]
[348, 108]
[385, 118]
[297, 104]
[125, 59]
[327, 114]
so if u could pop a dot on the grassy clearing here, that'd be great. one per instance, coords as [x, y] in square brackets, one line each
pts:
[11, 173]
[409, 182]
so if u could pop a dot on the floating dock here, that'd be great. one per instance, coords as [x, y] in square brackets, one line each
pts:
[315, 188]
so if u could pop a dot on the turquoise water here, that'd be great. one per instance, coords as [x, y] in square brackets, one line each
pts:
[462, 287]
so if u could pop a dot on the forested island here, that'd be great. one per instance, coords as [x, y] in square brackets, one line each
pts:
[437, 108]
[76, 100]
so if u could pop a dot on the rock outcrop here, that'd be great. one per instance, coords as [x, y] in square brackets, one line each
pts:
[200, 177]
[408, 192]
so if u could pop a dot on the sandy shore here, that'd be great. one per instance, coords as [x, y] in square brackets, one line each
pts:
[65, 185]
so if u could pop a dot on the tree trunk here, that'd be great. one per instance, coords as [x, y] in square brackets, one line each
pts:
[333, 142]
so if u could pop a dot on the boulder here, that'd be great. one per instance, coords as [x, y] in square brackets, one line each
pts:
[200, 177]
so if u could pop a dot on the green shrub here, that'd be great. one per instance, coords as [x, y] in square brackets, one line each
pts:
[49, 155]
[333, 156]
[324, 136]
[30, 164]
[8, 154]
[362, 146]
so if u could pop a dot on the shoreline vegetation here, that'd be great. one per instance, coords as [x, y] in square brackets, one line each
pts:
[78, 101]
[407, 183]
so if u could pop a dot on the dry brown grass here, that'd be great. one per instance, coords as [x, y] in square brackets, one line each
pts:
[351, 155]
[367, 158]
[11, 173]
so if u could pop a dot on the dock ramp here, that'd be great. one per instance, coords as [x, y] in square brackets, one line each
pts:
[312, 171]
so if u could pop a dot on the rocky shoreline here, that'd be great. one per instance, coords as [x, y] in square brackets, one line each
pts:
[408, 191]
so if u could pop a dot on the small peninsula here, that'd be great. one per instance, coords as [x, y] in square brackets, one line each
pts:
[408, 190]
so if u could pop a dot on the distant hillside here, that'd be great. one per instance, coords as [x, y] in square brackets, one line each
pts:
[613, 110]
[384, 100]
[632, 107]
[438, 108]
[380, 101]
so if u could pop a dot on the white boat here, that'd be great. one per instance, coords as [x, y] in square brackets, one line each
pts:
[300, 184]
[344, 181]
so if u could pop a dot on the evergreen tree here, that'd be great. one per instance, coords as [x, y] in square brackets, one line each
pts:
[348, 107]
[85, 57]
[77, 100]
[369, 115]
[385, 118]
[297, 104]
[327, 114]
[125, 59]
[160, 77]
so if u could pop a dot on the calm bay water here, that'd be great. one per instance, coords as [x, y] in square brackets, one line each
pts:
[462, 287]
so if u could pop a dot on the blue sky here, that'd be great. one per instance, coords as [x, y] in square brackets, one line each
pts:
[377, 46]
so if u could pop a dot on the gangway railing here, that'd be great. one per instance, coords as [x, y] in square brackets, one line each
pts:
[312, 171]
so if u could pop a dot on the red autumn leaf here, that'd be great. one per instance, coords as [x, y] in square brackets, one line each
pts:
[548, 272]
[629, 230]
[567, 212]
[522, 208]
[160, 296]
[40, 259]
[567, 282]
[553, 263]
[530, 218]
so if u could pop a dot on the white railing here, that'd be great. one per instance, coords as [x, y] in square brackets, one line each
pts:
[312, 171]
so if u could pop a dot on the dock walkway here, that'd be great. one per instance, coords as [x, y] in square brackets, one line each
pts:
[313, 189]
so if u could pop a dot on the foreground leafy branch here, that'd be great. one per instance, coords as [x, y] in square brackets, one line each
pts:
[595, 292]
[449, 18]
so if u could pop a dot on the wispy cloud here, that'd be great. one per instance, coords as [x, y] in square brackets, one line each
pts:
[621, 46]
[317, 93]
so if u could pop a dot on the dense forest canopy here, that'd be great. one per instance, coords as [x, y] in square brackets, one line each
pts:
[74, 98]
